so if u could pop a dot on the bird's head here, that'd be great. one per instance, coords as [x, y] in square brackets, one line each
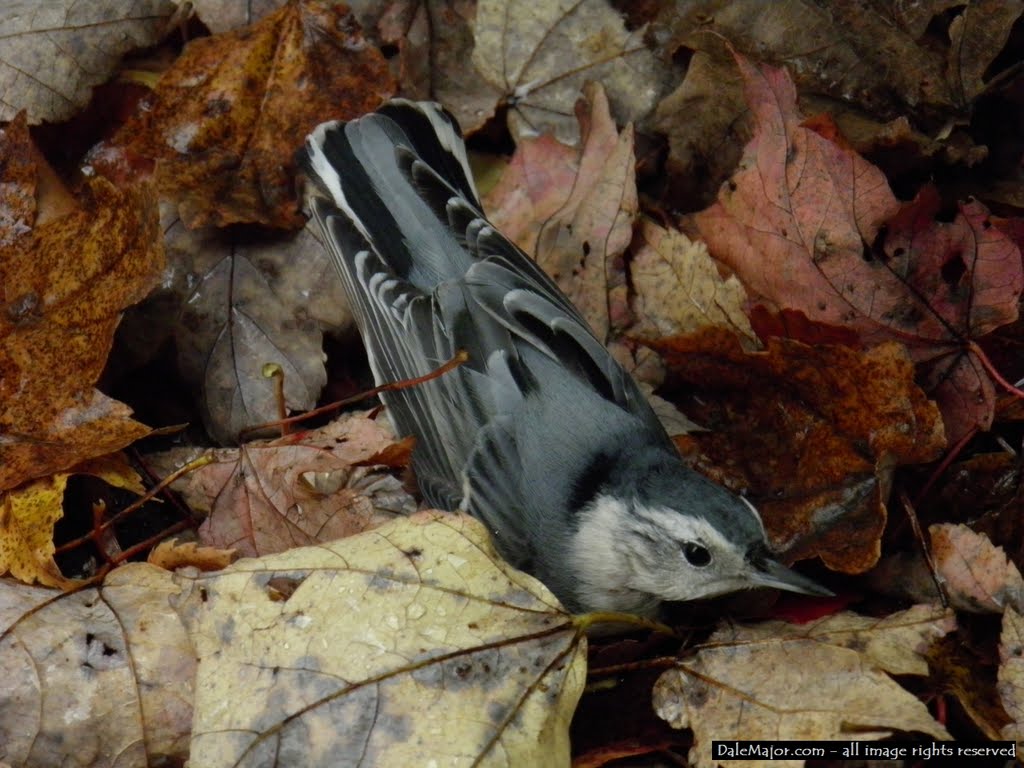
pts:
[657, 531]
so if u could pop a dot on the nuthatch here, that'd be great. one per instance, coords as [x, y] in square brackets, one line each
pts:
[541, 435]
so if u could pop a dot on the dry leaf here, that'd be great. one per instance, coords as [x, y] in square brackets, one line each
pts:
[63, 287]
[225, 15]
[105, 675]
[269, 496]
[434, 40]
[444, 652]
[978, 576]
[29, 512]
[812, 433]
[1011, 673]
[677, 288]
[581, 244]
[828, 680]
[173, 554]
[52, 52]
[800, 223]
[405, 644]
[228, 116]
[533, 186]
[539, 55]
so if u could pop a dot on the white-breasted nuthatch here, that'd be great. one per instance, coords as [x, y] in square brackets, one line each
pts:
[541, 435]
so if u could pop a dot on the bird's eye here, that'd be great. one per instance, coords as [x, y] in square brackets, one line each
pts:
[696, 555]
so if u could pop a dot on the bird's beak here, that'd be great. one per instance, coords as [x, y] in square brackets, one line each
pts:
[770, 573]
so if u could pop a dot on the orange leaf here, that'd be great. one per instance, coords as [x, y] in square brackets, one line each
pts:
[233, 109]
[62, 290]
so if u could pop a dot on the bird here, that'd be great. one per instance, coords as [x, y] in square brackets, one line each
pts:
[541, 434]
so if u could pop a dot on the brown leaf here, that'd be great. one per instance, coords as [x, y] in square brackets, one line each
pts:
[62, 290]
[800, 222]
[581, 244]
[539, 55]
[977, 575]
[173, 554]
[268, 496]
[825, 680]
[229, 115]
[811, 432]
[53, 53]
[435, 41]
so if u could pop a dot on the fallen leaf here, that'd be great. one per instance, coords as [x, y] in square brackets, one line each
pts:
[534, 185]
[827, 680]
[29, 512]
[1011, 673]
[707, 124]
[228, 116]
[977, 575]
[811, 433]
[225, 15]
[677, 288]
[539, 55]
[401, 645]
[53, 52]
[435, 40]
[269, 496]
[581, 244]
[800, 223]
[63, 287]
[244, 305]
[173, 554]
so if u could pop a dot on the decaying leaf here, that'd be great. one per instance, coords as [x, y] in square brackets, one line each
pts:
[106, 674]
[63, 286]
[29, 512]
[1011, 673]
[812, 433]
[800, 223]
[52, 52]
[677, 288]
[825, 680]
[409, 643]
[977, 575]
[228, 116]
[539, 55]
[269, 496]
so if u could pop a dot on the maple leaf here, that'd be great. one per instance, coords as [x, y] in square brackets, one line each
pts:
[228, 115]
[63, 286]
[809, 225]
[268, 496]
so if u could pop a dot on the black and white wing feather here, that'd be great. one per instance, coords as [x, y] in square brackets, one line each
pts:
[427, 275]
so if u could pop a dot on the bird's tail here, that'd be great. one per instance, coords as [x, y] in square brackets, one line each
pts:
[393, 175]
